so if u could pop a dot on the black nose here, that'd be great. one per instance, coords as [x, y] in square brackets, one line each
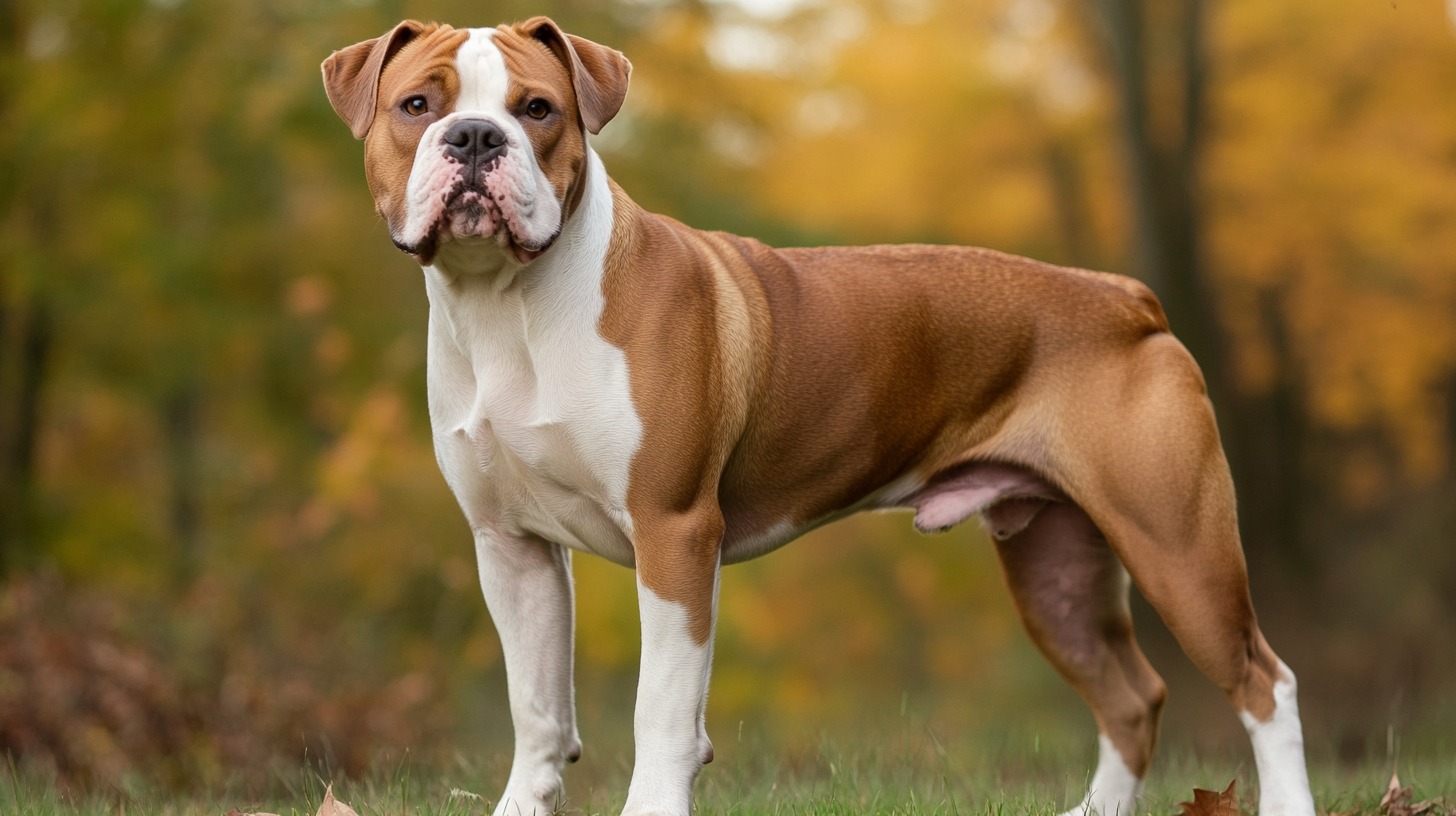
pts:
[474, 141]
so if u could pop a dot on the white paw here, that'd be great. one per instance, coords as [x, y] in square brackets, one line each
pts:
[1114, 789]
[527, 805]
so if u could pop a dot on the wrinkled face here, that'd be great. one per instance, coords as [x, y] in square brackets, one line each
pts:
[475, 134]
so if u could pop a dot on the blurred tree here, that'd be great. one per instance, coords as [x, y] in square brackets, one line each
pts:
[25, 319]
[1157, 59]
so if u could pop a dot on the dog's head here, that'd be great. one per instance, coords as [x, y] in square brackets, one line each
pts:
[476, 134]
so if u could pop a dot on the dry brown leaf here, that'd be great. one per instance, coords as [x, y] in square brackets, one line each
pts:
[333, 807]
[1399, 800]
[236, 812]
[1212, 803]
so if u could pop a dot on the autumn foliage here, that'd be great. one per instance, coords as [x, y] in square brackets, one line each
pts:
[223, 534]
[83, 697]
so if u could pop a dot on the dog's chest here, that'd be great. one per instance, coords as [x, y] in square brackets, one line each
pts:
[532, 415]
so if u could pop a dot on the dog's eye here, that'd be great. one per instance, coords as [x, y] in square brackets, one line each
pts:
[415, 106]
[538, 109]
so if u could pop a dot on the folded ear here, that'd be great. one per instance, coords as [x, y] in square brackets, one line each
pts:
[598, 73]
[351, 75]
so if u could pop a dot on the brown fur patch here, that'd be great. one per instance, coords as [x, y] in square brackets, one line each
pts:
[536, 72]
[861, 365]
[661, 309]
[425, 66]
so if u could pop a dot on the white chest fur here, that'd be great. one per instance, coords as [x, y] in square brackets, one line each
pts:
[531, 408]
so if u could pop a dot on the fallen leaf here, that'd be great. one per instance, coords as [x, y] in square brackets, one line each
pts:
[1397, 799]
[332, 807]
[1212, 803]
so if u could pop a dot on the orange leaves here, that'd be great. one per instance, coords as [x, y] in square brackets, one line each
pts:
[1398, 800]
[1212, 803]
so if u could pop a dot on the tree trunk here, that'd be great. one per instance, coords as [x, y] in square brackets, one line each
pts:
[1156, 68]
[26, 320]
[1162, 174]
[179, 427]
[1067, 203]
[19, 420]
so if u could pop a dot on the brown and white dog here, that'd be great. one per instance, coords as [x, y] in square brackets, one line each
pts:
[608, 380]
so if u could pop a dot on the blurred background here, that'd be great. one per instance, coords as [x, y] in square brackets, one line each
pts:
[224, 541]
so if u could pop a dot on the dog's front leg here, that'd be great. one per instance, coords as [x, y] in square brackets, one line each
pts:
[527, 586]
[677, 591]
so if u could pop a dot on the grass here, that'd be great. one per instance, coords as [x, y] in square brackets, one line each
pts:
[888, 764]
[898, 776]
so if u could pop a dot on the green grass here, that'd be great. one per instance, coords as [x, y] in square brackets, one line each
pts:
[896, 777]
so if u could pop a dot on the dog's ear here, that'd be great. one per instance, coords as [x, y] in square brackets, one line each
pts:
[351, 75]
[598, 73]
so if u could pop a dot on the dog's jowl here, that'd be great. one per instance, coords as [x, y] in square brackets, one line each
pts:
[608, 380]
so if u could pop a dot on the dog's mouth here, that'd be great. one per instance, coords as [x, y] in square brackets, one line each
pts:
[470, 210]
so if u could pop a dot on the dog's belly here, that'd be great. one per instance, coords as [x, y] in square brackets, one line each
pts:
[1005, 496]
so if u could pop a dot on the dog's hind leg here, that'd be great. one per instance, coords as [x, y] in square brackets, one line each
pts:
[1165, 502]
[1071, 592]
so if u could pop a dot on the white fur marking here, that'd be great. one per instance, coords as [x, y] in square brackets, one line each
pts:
[528, 590]
[1114, 788]
[532, 412]
[672, 692]
[483, 78]
[1279, 754]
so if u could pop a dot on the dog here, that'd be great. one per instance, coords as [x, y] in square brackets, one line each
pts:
[607, 380]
